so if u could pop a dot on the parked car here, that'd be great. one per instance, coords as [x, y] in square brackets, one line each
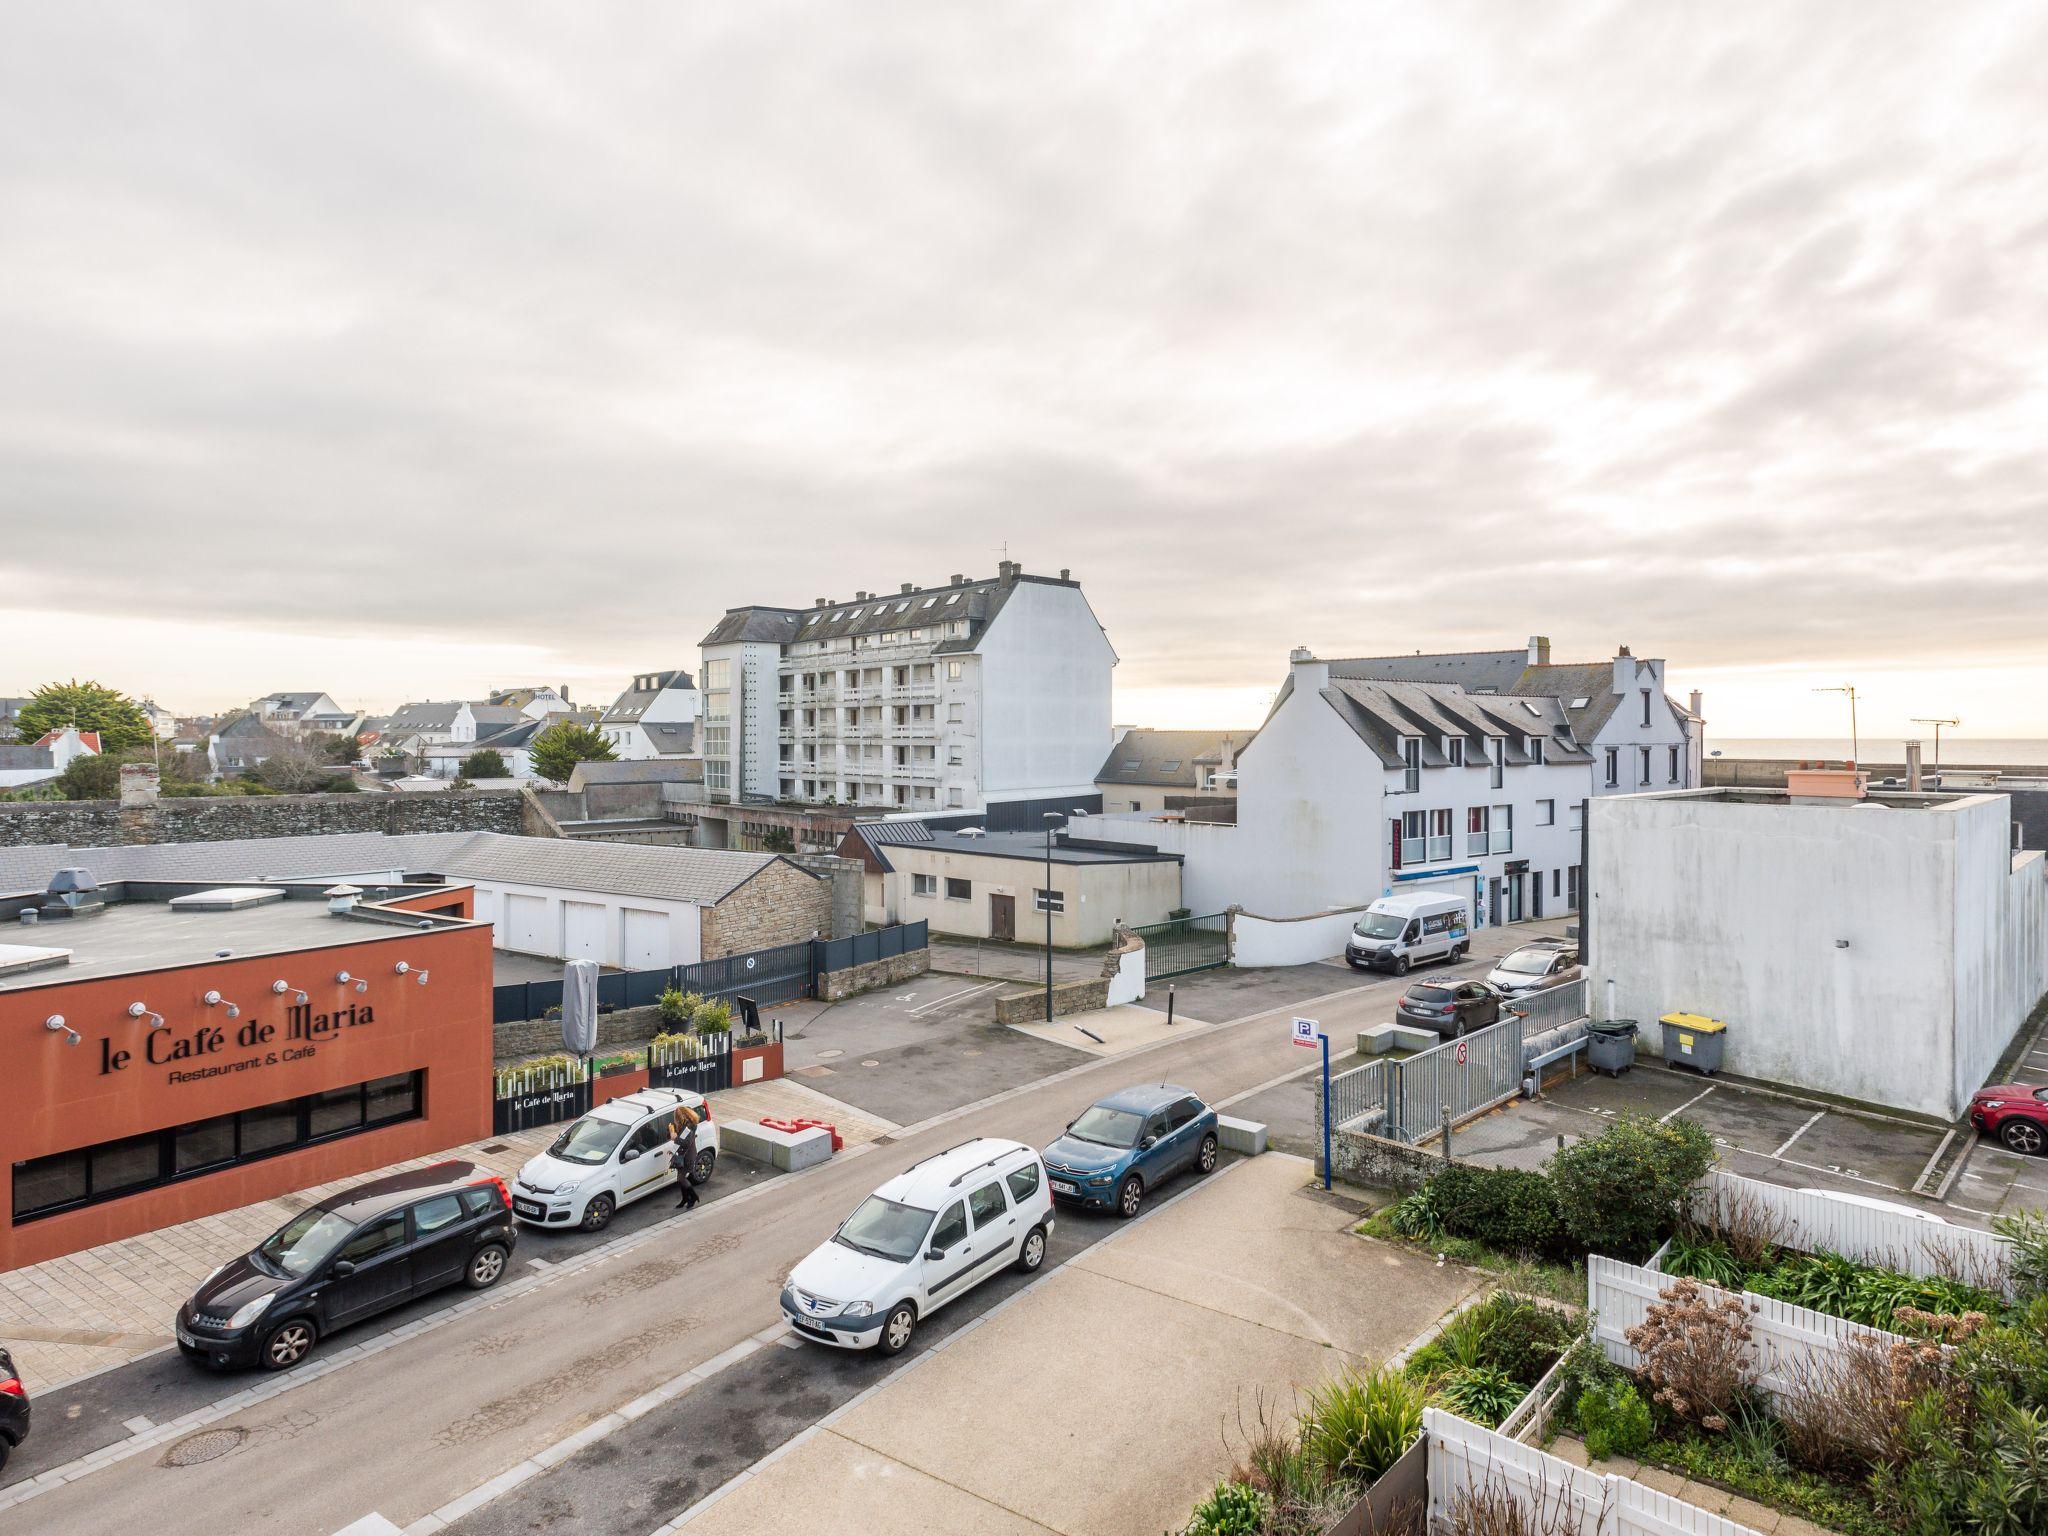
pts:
[1120, 1148]
[353, 1255]
[616, 1154]
[1406, 929]
[13, 1408]
[2016, 1113]
[1544, 963]
[1449, 1007]
[926, 1237]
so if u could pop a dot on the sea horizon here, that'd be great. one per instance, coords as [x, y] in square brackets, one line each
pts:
[1963, 751]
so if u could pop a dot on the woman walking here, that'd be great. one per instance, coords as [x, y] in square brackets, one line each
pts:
[684, 1159]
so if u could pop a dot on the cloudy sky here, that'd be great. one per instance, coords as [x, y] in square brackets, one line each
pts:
[400, 350]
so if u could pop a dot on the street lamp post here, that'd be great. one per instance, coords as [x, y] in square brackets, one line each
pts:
[1052, 819]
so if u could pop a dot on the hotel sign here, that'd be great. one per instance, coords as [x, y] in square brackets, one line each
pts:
[205, 1051]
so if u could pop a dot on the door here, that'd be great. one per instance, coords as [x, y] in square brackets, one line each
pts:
[1493, 901]
[995, 1228]
[1514, 895]
[1002, 917]
[1536, 894]
[380, 1271]
[1156, 1161]
[944, 1277]
[646, 940]
[1571, 889]
[583, 930]
[440, 1242]
[524, 926]
[1182, 1132]
[643, 1159]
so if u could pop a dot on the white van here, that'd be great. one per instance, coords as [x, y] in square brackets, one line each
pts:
[616, 1154]
[930, 1234]
[1408, 928]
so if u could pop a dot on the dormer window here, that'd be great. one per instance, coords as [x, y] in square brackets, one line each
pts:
[1411, 761]
[1454, 751]
[1497, 757]
[1535, 746]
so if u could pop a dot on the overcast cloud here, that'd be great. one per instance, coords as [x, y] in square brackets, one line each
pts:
[435, 345]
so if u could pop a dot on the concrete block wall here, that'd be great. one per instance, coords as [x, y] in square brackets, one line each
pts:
[106, 823]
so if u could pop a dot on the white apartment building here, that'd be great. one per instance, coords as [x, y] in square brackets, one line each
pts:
[951, 698]
[656, 717]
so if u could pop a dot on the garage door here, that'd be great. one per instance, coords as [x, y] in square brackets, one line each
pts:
[582, 930]
[524, 926]
[646, 940]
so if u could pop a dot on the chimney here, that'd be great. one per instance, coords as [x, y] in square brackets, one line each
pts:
[139, 784]
[1066, 574]
[1539, 650]
[1008, 571]
[1624, 671]
[908, 588]
[1309, 674]
[1913, 766]
[1694, 706]
[955, 579]
[818, 602]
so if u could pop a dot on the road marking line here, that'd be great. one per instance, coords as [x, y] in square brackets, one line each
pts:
[1811, 1121]
[1688, 1104]
[952, 997]
[1920, 1183]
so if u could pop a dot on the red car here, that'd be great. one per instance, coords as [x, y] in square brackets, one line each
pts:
[2016, 1113]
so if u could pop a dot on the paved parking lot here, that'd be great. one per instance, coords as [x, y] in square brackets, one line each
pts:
[1098, 1402]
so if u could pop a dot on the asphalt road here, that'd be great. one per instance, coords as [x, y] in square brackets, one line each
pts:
[404, 1431]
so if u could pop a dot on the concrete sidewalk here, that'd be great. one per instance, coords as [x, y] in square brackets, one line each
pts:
[103, 1306]
[1106, 1400]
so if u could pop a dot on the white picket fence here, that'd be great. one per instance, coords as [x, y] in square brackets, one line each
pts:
[1815, 1219]
[1620, 1296]
[1467, 1459]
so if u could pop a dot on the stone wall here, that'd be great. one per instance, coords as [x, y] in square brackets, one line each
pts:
[783, 904]
[1376, 1162]
[1067, 997]
[835, 985]
[536, 1037]
[849, 896]
[106, 823]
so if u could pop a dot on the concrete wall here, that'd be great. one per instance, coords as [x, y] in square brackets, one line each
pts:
[848, 879]
[1098, 896]
[1258, 940]
[103, 823]
[1124, 970]
[1884, 954]
[1045, 691]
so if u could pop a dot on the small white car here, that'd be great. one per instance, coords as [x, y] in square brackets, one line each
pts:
[930, 1234]
[612, 1156]
[1545, 963]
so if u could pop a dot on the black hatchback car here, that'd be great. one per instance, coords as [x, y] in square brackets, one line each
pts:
[353, 1255]
[13, 1408]
[1449, 1007]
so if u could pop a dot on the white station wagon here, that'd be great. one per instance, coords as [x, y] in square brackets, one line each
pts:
[930, 1234]
[616, 1154]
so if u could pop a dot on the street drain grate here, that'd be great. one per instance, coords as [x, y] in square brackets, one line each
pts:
[207, 1445]
[496, 1146]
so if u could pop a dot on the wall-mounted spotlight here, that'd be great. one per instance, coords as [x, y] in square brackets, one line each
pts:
[403, 969]
[347, 980]
[215, 1000]
[144, 1011]
[282, 987]
[55, 1024]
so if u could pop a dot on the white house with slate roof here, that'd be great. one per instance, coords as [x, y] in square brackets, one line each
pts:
[656, 717]
[952, 698]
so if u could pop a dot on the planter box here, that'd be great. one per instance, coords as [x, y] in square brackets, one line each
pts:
[756, 1063]
[1402, 1489]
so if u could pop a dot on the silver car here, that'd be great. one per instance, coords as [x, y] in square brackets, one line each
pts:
[1544, 963]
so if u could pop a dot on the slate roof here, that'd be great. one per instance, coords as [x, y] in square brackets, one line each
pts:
[297, 703]
[978, 602]
[1381, 713]
[1501, 672]
[700, 875]
[645, 770]
[629, 706]
[1169, 758]
[868, 840]
[429, 715]
[12, 756]
[246, 741]
[672, 739]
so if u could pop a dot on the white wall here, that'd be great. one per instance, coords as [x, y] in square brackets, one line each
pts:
[1045, 692]
[1625, 729]
[1128, 984]
[1302, 941]
[631, 932]
[1741, 909]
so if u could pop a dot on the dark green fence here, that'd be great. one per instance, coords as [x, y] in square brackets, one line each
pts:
[1184, 944]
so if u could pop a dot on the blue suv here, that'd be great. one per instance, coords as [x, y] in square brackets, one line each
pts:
[1128, 1143]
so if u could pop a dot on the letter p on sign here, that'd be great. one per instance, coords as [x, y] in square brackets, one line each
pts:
[1305, 1033]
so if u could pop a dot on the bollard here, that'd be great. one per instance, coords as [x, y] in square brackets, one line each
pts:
[1169, 1003]
[1446, 1110]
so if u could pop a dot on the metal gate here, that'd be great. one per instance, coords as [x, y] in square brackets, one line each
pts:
[1184, 944]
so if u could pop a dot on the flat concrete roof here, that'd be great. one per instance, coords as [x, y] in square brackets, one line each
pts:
[135, 936]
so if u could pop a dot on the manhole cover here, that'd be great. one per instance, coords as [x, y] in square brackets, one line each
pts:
[830, 1055]
[496, 1146]
[870, 1062]
[207, 1445]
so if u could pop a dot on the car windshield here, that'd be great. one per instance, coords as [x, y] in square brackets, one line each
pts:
[1527, 962]
[1428, 994]
[302, 1243]
[885, 1229]
[589, 1140]
[1110, 1127]
[1379, 925]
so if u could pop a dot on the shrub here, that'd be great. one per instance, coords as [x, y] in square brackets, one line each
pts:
[1987, 1474]
[1863, 1293]
[1698, 1255]
[1358, 1425]
[1417, 1216]
[1845, 1408]
[1695, 1352]
[1740, 1222]
[2028, 1260]
[677, 1007]
[1511, 1208]
[1520, 1337]
[1480, 1393]
[1231, 1510]
[1620, 1193]
[712, 1018]
[1614, 1419]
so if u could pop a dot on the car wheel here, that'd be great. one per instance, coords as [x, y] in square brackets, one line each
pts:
[486, 1268]
[6, 1445]
[1401, 965]
[897, 1328]
[1458, 1028]
[2023, 1136]
[1129, 1196]
[702, 1169]
[287, 1344]
[1459, 952]
[598, 1214]
[1206, 1160]
[1033, 1253]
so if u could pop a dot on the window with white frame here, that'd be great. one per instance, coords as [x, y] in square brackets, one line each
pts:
[1613, 766]
[1501, 830]
[953, 670]
[1454, 751]
[956, 798]
[1546, 813]
[924, 885]
[1536, 750]
[1414, 838]
[1643, 761]
[1646, 706]
[1578, 815]
[1497, 755]
[954, 714]
[1674, 763]
[1439, 835]
[1411, 760]
[1475, 831]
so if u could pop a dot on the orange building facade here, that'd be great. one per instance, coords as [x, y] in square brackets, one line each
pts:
[170, 1091]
